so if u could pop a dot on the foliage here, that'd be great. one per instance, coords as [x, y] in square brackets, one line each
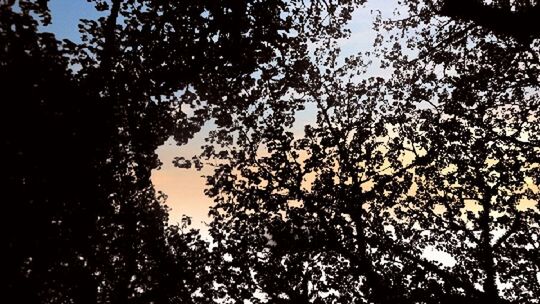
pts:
[439, 156]
[81, 123]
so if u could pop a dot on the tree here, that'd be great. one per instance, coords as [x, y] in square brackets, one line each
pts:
[486, 84]
[478, 192]
[390, 169]
[82, 122]
[299, 210]
[518, 20]
[67, 238]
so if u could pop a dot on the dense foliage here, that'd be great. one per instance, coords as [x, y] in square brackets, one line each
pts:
[440, 155]
[81, 123]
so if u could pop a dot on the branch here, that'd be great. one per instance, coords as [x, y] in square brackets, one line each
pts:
[509, 232]
[523, 24]
[447, 276]
[109, 47]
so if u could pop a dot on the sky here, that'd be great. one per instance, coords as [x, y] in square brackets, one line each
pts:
[66, 15]
[185, 187]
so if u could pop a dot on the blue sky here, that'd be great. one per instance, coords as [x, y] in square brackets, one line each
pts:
[66, 15]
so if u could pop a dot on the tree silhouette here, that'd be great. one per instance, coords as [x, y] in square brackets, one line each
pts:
[68, 235]
[297, 212]
[82, 122]
[441, 155]
[478, 193]
[517, 19]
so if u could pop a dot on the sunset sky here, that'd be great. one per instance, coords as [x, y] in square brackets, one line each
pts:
[184, 187]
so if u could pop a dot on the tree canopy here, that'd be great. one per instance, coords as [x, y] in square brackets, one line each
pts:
[439, 155]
